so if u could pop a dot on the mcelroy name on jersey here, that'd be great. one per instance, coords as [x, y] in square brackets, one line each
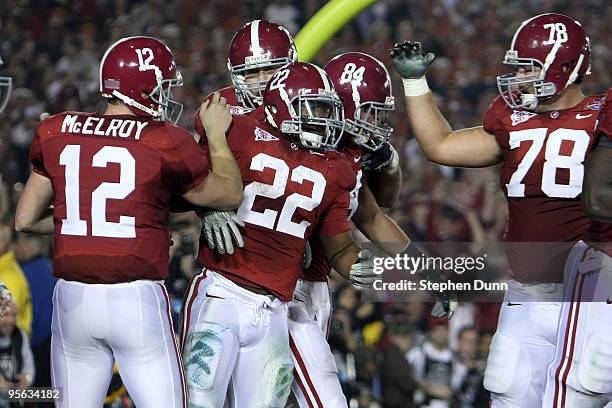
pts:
[91, 125]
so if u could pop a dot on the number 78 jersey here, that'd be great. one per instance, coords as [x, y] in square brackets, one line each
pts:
[289, 192]
[543, 168]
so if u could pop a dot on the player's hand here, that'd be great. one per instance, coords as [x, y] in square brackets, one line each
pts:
[221, 231]
[307, 258]
[409, 60]
[385, 158]
[5, 299]
[215, 115]
[446, 306]
[362, 272]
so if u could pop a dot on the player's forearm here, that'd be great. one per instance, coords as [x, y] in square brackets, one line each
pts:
[33, 213]
[43, 225]
[385, 186]
[224, 166]
[428, 124]
[383, 232]
[344, 259]
[470, 147]
[597, 189]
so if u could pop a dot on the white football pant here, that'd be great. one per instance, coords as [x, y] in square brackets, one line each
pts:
[523, 345]
[235, 345]
[95, 325]
[316, 381]
[581, 373]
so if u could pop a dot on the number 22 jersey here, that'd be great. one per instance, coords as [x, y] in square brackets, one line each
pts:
[289, 192]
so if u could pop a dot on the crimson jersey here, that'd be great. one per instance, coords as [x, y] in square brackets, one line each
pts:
[600, 233]
[320, 267]
[113, 177]
[235, 108]
[288, 192]
[542, 172]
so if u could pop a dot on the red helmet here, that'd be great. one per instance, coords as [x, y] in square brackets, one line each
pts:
[301, 102]
[6, 86]
[140, 72]
[259, 45]
[555, 43]
[363, 84]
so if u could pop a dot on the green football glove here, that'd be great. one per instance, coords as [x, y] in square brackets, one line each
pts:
[409, 60]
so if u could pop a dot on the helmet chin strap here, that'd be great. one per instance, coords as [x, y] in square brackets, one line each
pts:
[130, 102]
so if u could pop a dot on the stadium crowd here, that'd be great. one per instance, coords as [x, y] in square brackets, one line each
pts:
[52, 51]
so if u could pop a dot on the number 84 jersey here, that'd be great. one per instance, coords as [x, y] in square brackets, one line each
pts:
[289, 192]
[543, 167]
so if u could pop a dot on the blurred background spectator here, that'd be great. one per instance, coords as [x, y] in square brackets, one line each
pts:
[397, 376]
[14, 279]
[31, 251]
[52, 48]
[16, 360]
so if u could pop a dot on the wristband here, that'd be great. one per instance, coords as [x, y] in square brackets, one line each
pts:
[415, 86]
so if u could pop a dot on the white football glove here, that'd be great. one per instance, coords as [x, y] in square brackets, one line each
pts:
[221, 231]
[362, 272]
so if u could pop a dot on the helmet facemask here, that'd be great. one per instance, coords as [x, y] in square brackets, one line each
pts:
[317, 119]
[250, 93]
[168, 109]
[524, 92]
[370, 127]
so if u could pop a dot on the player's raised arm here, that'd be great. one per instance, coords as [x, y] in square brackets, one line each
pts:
[471, 147]
[222, 188]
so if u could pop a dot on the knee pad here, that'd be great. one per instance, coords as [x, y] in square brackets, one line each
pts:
[508, 368]
[595, 370]
[202, 354]
[276, 381]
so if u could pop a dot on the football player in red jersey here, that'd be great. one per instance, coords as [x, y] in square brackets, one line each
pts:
[541, 129]
[110, 178]
[581, 372]
[363, 84]
[235, 330]
[256, 52]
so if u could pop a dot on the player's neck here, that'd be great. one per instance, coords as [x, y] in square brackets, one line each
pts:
[569, 98]
[118, 109]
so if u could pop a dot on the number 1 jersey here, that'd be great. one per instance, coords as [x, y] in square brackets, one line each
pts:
[113, 177]
[289, 192]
